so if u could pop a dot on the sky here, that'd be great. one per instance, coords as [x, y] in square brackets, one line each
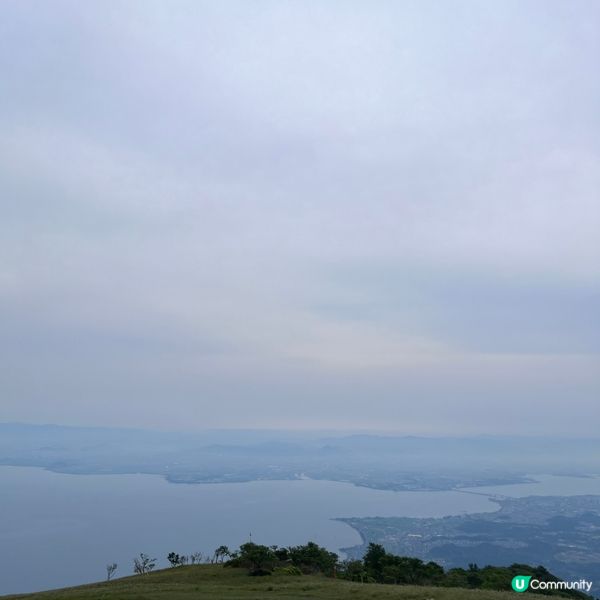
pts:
[301, 214]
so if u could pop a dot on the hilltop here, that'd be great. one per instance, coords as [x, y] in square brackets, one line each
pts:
[307, 571]
[216, 582]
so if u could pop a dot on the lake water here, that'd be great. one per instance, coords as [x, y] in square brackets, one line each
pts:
[58, 530]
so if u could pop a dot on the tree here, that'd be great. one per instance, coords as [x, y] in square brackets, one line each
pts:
[260, 560]
[474, 579]
[110, 571]
[312, 558]
[143, 564]
[282, 554]
[174, 559]
[354, 570]
[196, 558]
[220, 553]
[374, 561]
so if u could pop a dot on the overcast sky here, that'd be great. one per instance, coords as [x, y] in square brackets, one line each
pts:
[379, 215]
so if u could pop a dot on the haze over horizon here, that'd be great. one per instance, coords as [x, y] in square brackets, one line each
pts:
[377, 216]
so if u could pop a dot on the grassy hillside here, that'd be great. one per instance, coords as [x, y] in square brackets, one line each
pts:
[214, 582]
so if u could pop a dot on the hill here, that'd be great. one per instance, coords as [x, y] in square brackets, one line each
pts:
[215, 582]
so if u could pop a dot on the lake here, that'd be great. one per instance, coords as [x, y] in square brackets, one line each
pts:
[58, 530]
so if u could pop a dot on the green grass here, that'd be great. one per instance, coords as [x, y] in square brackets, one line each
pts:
[214, 582]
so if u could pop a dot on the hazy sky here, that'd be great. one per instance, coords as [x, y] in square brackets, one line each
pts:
[301, 214]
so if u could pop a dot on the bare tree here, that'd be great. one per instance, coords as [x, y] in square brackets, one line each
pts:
[110, 571]
[143, 564]
[196, 558]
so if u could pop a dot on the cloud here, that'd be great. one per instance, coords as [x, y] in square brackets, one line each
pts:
[252, 206]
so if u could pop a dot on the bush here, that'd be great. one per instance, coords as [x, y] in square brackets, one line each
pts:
[288, 570]
[312, 558]
[259, 560]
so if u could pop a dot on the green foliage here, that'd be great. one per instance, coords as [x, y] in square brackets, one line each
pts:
[353, 570]
[374, 561]
[258, 559]
[220, 553]
[174, 559]
[382, 567]
[282, 554]
[290, 570]
[312, 558]
[499, 578]
[262, 560]
[456, 578]
[299, 563]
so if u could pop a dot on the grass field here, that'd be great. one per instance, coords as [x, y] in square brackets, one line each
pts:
[216, 582]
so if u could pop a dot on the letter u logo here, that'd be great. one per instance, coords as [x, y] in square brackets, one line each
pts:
[520, 583]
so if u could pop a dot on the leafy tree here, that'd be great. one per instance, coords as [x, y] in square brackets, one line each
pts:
[282, 554]
[456, 577]
[433, 573]
[354, 570]
[411, 570]
[260, 560]
[178, 560]
[474, 579]
[174, 559]
[220, 553]
[312, 558]
[374, 560]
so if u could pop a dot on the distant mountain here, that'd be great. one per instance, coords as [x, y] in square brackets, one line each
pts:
[377, 461]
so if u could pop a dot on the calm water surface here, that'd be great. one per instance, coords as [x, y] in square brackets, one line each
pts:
[58, 530]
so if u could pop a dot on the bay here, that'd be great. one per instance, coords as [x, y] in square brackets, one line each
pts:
[58, 529]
